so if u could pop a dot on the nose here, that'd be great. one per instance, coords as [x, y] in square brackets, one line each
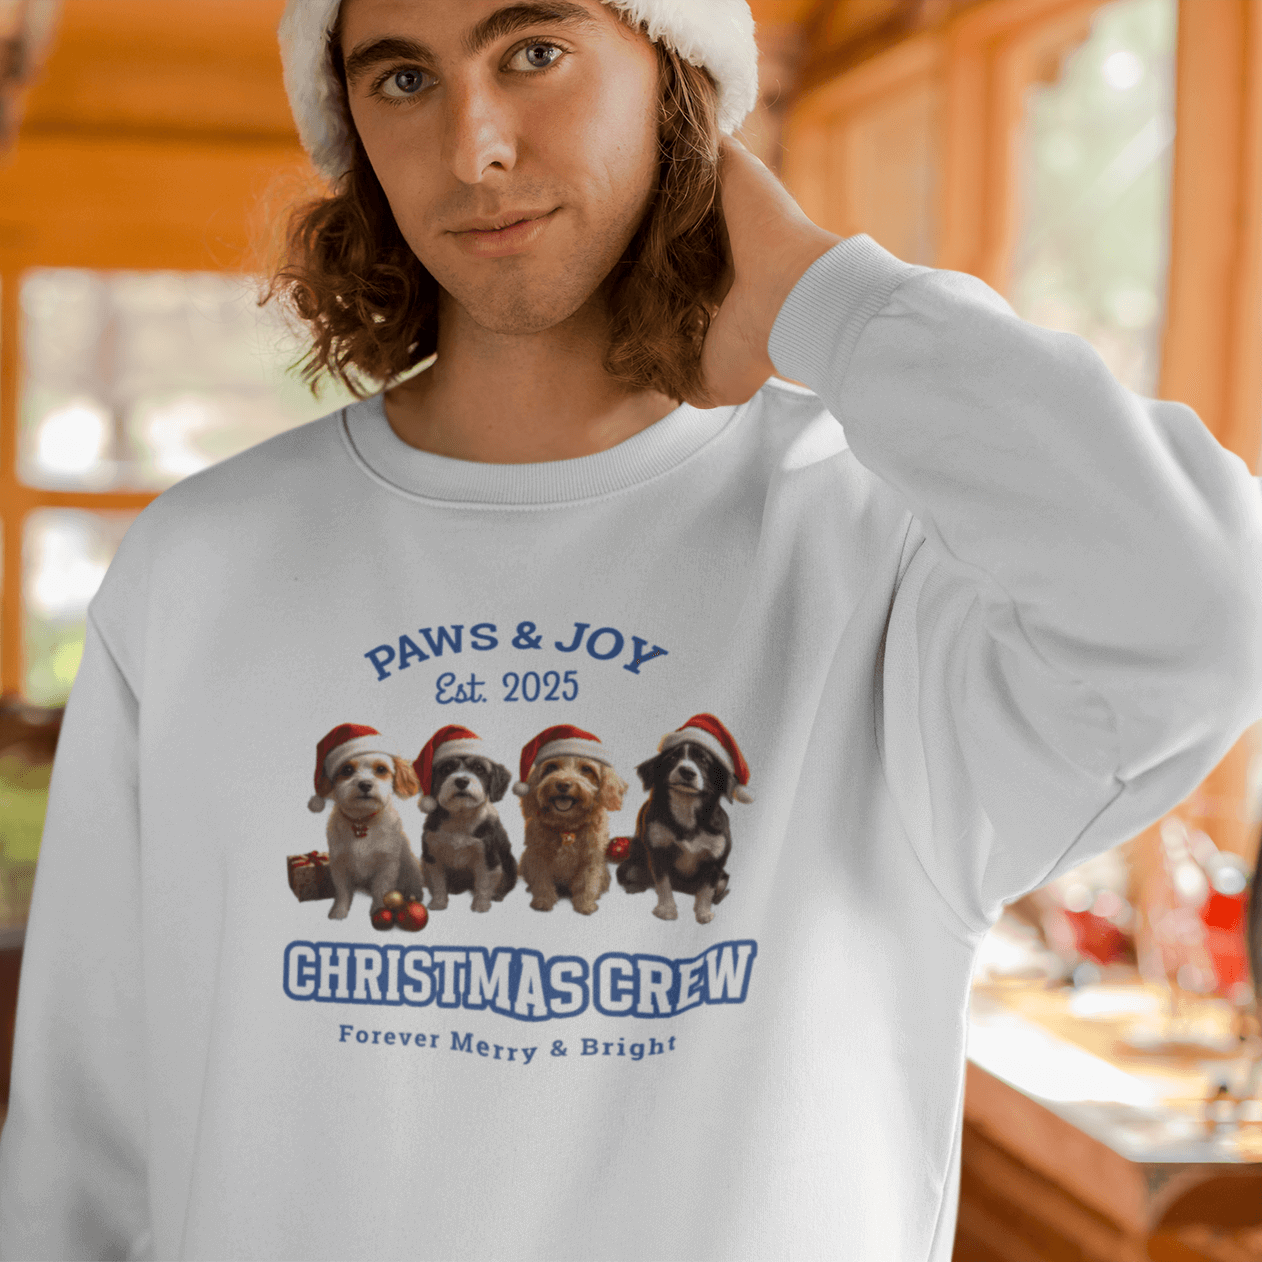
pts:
[480, 133]
[462, 782]
[565, 785]
[364, 786]
[687, 773]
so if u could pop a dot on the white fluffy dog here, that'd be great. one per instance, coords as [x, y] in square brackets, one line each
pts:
[368, 849]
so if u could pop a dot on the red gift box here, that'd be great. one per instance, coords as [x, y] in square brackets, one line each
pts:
[309, 876]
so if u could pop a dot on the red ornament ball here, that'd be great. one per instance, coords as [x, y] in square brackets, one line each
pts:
[413, 916]
[619, 848]
[383, 918]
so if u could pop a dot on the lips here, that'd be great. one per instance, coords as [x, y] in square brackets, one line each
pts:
[499, 238]
[498, 223]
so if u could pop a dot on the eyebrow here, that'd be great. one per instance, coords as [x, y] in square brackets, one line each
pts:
[501, 23]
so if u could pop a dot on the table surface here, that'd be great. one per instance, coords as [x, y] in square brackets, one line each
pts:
[1117, 1065]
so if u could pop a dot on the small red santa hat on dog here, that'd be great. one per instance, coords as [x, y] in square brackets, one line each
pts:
[555, 742]
[715, 34]
[347, 740]
[711, 735]
[447, 742]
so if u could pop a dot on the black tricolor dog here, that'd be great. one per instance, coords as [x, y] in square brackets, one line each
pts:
[682, 833]
[463, 844]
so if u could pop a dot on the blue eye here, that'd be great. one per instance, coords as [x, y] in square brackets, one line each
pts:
[536, 57]
[402, 84]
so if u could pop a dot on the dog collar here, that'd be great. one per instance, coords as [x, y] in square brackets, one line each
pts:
[360, 828]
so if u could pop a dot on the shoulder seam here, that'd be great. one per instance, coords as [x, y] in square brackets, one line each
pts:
[113, 656]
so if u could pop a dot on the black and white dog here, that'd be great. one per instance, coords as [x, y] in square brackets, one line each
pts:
[463, 844]
[682, 834]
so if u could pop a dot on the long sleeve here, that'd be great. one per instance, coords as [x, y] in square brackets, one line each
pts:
[72, 1164]
[1075, 637]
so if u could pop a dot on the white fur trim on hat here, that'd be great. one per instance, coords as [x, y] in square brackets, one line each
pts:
[698, 736]
[312, 86]
[453, 749]
[352, 749]
[716, 34]
[569, 745]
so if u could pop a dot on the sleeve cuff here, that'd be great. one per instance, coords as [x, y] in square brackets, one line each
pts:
[817, 328]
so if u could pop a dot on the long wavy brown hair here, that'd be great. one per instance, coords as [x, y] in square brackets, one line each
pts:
[372, 308]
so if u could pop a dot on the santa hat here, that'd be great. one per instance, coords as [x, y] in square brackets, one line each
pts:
[555, 742]
[347, 740]
[706, 731]
[447, 742]
[716, 34]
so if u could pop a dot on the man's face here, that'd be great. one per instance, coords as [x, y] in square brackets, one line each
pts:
[516, 143]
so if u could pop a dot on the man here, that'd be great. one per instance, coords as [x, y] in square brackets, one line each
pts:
[873, 682]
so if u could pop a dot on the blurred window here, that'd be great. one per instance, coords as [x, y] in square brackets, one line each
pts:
[65, 553]
[130, 382]
[1094, 239]
[134, 380]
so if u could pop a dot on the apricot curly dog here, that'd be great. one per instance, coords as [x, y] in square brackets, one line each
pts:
[567, 789]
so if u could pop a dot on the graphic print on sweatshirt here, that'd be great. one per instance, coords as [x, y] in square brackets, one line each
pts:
[554, 852]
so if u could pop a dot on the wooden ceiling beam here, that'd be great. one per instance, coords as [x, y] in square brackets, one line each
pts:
[827, 59]
[148, 68]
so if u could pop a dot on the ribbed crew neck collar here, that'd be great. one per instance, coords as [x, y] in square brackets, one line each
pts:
[648, 454]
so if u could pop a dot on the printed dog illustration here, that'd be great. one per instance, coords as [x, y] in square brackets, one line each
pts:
[567, 788]
[682, 834]
[368, 849]
[463, 844]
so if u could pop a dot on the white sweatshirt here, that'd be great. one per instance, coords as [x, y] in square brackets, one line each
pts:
[1000, 617]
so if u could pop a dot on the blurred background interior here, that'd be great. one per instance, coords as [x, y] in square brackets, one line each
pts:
[1100, 164]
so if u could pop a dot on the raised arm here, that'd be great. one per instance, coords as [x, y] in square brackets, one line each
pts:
[1076, 638]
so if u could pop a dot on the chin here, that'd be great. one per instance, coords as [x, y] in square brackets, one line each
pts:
[521, 315]
[521, 306]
